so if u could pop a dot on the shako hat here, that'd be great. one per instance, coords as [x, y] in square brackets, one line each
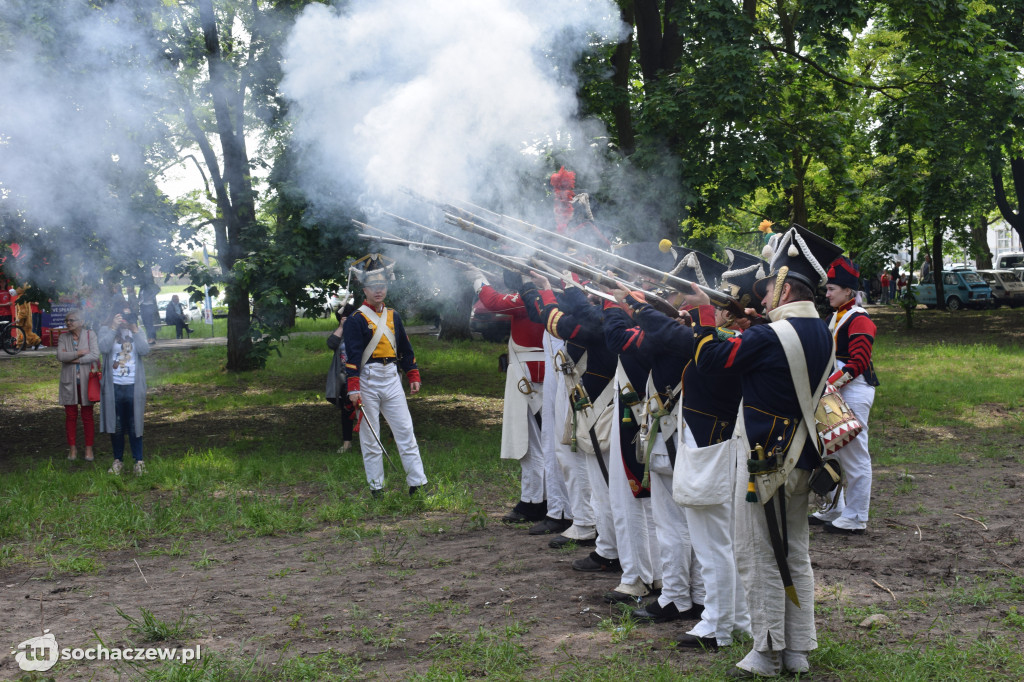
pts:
[743, 271]
[842, 272]
[803, 254]
[372, 270]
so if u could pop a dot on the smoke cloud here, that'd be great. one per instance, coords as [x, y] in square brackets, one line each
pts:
[455, 99]
[81, 95]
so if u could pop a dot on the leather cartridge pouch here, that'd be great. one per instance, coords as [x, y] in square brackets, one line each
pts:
[826, 477]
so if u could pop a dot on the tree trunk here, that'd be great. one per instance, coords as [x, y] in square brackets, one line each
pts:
[940, 294]
[235, 199]
[1016, 220]
[979, 243]
[796, 192]
[621, 112]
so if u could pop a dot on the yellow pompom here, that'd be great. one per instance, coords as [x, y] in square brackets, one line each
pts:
[664, 246]
[765, 226]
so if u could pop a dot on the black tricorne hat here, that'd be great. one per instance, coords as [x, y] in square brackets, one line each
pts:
[804, 254]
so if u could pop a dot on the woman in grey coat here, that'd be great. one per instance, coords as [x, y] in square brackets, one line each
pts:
[123, 401]
[77, 350]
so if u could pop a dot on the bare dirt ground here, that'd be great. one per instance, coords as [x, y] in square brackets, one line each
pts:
[943, 545]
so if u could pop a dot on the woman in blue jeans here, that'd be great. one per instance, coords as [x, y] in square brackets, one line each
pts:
[123, 400]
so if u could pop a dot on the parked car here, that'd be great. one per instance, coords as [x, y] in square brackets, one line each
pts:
[1007, 287]
[1009, 260]
[961, 288]
[192, 310]
[491, 326]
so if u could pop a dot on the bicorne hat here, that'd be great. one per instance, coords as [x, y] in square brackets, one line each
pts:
[697, 267]
[743, 271]
[804, 255]
[373, 270]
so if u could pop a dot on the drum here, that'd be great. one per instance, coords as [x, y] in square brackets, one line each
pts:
[836, 423]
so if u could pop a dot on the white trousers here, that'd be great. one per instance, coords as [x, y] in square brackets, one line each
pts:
[531, 464]
[776, 622]
[574, 470]
[558, 497]
[381, 392]
[635, 537]
[680, 570]
[852, 510]
[600, 504]
[725, 605]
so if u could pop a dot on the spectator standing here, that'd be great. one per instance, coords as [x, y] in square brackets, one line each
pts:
[77, 350]
[175, 315]
[123, 401]
[894, 275]
[147, 304]
[336, 391]
[926, 267]
[884, 281]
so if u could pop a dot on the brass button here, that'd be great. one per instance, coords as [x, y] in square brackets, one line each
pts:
[786, 422]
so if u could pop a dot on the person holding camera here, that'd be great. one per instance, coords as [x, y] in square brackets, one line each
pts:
[123, 398]
[176, 315]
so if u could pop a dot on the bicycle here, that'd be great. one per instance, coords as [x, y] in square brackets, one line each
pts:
[12, 338]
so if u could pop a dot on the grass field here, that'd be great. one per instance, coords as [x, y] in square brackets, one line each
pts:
[247, 465]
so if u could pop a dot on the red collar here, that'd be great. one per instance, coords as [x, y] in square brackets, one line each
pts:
[849, 304]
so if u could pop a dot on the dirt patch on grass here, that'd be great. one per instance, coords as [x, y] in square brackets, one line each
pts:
[944, 545]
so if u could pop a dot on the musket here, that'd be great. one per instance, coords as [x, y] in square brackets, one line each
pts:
[571, 264]
[447, 251]
[717, 297]
[495, 258]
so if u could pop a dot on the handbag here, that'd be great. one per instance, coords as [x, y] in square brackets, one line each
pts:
[95, 375]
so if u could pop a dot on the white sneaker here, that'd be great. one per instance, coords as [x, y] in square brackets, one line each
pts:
[115, 468]
[140, 468]
[795, 661]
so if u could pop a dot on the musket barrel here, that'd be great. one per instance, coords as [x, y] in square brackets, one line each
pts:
[677, 283]
[496, 259]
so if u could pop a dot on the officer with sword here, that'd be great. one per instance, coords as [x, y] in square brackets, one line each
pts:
[377, 345]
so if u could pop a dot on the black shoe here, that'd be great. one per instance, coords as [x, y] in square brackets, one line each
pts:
[526, 512]
[562, 541]
[653, 612]
[595, 563]
[813, 520]
[693, 642]
[695, 612]
[376, 492]
[413, 489]
[829, 528]
[550, 526]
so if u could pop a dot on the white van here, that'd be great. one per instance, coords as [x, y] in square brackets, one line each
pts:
[1010, 260]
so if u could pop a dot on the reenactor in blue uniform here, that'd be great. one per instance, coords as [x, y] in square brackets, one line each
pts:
[708, 448]
[782, 368]
[376, 345]
[585, 368]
